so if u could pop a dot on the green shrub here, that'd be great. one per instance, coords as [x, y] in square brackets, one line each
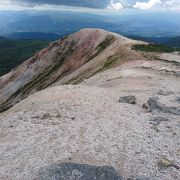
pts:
[104, 44]
[154, 48]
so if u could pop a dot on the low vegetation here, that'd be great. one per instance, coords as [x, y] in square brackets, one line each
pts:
[104, 44]
[154, 48]
[14, 52]
[110, 62]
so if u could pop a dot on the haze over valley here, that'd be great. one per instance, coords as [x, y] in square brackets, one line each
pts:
[126, 22]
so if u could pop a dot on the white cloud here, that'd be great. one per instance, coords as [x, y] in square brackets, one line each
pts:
[147, 5]
[10, 5]
[115, 4]
[4, 2]
[172, 5]
[19, 6]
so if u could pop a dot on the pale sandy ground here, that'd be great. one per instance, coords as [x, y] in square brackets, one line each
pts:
[85, 123]
[171, 56]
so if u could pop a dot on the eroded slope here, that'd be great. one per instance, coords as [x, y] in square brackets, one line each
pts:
[61, 59]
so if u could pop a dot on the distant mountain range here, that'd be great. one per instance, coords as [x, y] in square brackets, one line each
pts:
[127, 23]
[175, 42]
[168, 41]
[34, 35]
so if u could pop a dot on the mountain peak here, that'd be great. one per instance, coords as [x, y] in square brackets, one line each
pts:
[59, 61]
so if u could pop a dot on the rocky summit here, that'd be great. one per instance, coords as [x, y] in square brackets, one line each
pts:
[89, 106]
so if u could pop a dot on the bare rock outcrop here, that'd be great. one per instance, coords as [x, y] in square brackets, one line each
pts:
[164, 93]
[128, 99]
[154, 105]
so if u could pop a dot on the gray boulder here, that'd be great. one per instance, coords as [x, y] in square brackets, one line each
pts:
[128, 99]
[165, 93]
[178, 100]
[155, 106]
[71, 171]
[158, 119]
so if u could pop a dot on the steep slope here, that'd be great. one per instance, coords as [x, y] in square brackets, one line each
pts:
[86, 124]
[61, 59]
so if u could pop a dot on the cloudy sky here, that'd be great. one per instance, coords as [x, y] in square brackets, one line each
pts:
[114, 5]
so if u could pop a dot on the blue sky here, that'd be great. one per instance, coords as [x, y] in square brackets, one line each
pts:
[94, 5]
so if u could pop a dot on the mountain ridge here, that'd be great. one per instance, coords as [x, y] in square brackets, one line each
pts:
[104, 107]
[58, 60]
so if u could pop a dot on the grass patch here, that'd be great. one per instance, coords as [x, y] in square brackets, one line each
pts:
[103, 45]
[154, 48]
[110, 62]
